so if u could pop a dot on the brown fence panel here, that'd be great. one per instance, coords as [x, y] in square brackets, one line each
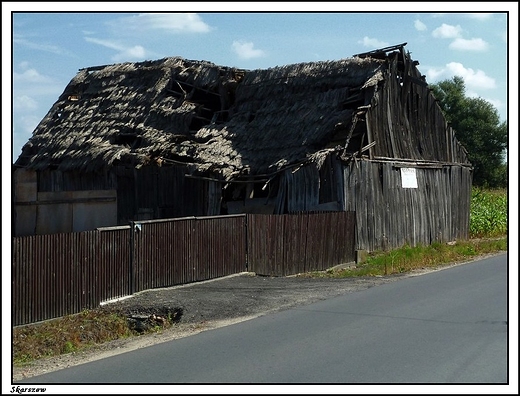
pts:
[44, 276]
[330, 241]
[265, 244]
[219, 246]
[112, 265]
[281, 245]
[153, 254]
[60, 274]
[295, 239]
[177, 251]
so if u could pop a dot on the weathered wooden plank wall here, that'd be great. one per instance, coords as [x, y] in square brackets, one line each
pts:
[309, 189]
[406, 122]
[162, 192]
[390, 216]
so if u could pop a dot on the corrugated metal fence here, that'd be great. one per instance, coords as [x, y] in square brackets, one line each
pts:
[60, 274]
[177, 251]
[281, 245]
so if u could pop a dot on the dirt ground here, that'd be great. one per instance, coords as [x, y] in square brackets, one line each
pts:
[212, 304]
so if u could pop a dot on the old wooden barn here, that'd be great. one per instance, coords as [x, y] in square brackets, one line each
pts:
[176, 137]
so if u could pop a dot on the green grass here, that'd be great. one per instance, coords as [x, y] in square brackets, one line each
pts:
[69, 334]
[408, 258]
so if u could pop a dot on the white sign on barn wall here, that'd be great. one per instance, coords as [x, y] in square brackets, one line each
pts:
[409, 178]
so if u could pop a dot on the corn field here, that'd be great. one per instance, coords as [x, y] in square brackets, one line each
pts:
[488, 216]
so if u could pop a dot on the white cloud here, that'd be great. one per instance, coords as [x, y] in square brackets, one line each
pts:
[475, 44]
[28, 124]
[106, 43]
[53, 49]
[419, 25]
[474, 80]
[30, 75]
[125, 53]
[434, 75]
[24, 102]
[169, 22]
[30, 84]
[373, 43]
[474, 15]
[447, 31]
[246, 50]
[31, 89]
[136, 52]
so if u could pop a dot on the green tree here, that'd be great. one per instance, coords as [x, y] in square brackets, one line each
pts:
[477, 126]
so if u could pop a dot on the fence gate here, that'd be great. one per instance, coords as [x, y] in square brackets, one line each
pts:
[178, 251]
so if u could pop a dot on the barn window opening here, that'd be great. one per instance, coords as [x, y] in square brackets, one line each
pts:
[358, 138]
[213, 103]
[353, 102]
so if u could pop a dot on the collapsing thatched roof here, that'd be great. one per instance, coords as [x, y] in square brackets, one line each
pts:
[220, 120]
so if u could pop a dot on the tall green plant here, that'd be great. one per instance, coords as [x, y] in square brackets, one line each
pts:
[488, 213]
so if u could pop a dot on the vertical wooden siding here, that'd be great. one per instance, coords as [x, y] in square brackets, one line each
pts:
[60, 274]
[390, 216]
[405, 120]
[281, 245]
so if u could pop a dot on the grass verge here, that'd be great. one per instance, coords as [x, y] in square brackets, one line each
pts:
[77, 332]
[68, 334]
[408, 258]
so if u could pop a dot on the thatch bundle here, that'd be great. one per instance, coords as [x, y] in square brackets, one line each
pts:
[132, 113]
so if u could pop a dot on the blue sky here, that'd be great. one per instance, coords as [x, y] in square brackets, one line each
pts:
[48, 48]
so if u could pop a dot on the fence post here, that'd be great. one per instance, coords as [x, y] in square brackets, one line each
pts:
[246, 226]
[132, 258]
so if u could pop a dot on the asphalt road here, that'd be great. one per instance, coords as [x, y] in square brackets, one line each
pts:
[448, 326]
